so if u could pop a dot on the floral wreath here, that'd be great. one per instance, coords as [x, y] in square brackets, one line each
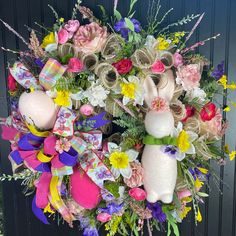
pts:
[114, 124]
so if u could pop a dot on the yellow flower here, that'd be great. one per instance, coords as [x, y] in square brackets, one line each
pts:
[186, 199]
[198, 184]
[61, 20]
[226, 149]
[119, 160]
[48, 209]
[128, 89]
[232, 155]
[231, 86]
[199, 216]
[223, 81]
[185, 212]
[183, 141]
[203, 170]
[179, 34]
[63, 98]
[227, 109]
[49, 39]
[163, 44]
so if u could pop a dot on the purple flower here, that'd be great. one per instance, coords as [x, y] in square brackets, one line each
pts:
[39, 62]
[170, 150]
[219, 71]
[106, 195]
[90, 231]
[84, 222]
[157, 212]
[122, 28]
[111, 208]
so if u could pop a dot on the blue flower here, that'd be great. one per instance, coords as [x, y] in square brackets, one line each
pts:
[90, 231]
[111, 208]
[122, 28]
[170, 150]
[157, 212]
[219, 71]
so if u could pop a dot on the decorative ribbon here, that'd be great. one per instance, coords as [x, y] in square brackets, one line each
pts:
[167, 140]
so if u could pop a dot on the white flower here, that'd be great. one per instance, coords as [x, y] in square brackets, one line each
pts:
[96, 95]
[196, 93]
[184, 142]
[120, 161]
[132, 90]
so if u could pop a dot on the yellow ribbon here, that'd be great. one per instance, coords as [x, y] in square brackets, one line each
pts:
[43, 158]
[35, 132]
[53, 189]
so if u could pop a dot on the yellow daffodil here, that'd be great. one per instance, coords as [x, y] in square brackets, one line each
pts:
[203, 170]
[185, 212]
[49, 39]
[198, 184]
[132, 90]
[227, 109]
[63, 98]
[223, 82]
[199, 216]
[128, 89]
[120, 161]
[232, 155]
[184, 142]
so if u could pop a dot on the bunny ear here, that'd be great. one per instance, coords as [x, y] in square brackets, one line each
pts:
[150, 90]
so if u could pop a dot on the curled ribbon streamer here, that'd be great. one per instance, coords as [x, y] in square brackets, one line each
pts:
[57, 202]
[37, 133]
[43, 190]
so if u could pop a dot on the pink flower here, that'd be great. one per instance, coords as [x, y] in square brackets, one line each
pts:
[123, 66]
[62, 145]
[189, 76]
[103, 217]
[178, 59]
[137, 194]
[90, 38]
[11, 82]
[190, 111]
[158, 67]
[63, 36]
[72, 26]
[136, 179]
[183, 194]
[75, 65]
[215, 128]
[86, 110]
[159, 104]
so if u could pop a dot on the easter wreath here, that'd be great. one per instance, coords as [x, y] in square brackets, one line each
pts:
[112, 123]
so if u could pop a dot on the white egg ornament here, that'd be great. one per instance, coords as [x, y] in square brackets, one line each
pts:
[38, 109]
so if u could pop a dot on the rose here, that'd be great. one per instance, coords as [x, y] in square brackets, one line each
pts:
[189, 112]
[189, 76]
[11, 83]
[136, 179]
[208, 112]
[103, 217]
[158, 67]
[75, 65]
[63, 36]
[123, 66]
[90, 38]
[72, 26]
[86, 110]
[137, 194]
[178, 59]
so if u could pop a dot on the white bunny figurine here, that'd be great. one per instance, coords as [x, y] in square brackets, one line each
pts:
[160, 170]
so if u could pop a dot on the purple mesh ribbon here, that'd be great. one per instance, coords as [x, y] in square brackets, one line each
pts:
[69, 158]
[15, 155]
[24, 143]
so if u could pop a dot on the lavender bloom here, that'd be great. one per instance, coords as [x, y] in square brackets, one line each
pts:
[157, 212]
[170, 150]
[122, 28]
[39, 62]
[90, 231]
[111, 208]
[219, 71]
[106, 195]
[84, 222]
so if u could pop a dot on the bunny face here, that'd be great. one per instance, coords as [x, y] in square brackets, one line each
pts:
[159, 124]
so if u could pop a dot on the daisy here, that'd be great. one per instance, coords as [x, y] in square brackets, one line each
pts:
[184, 141]
[120, 161]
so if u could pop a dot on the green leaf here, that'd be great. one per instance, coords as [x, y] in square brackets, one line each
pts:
[201, 194]
[129, 24]
[66, 58]
[117, 15]
[132, 3]
[113, 188]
